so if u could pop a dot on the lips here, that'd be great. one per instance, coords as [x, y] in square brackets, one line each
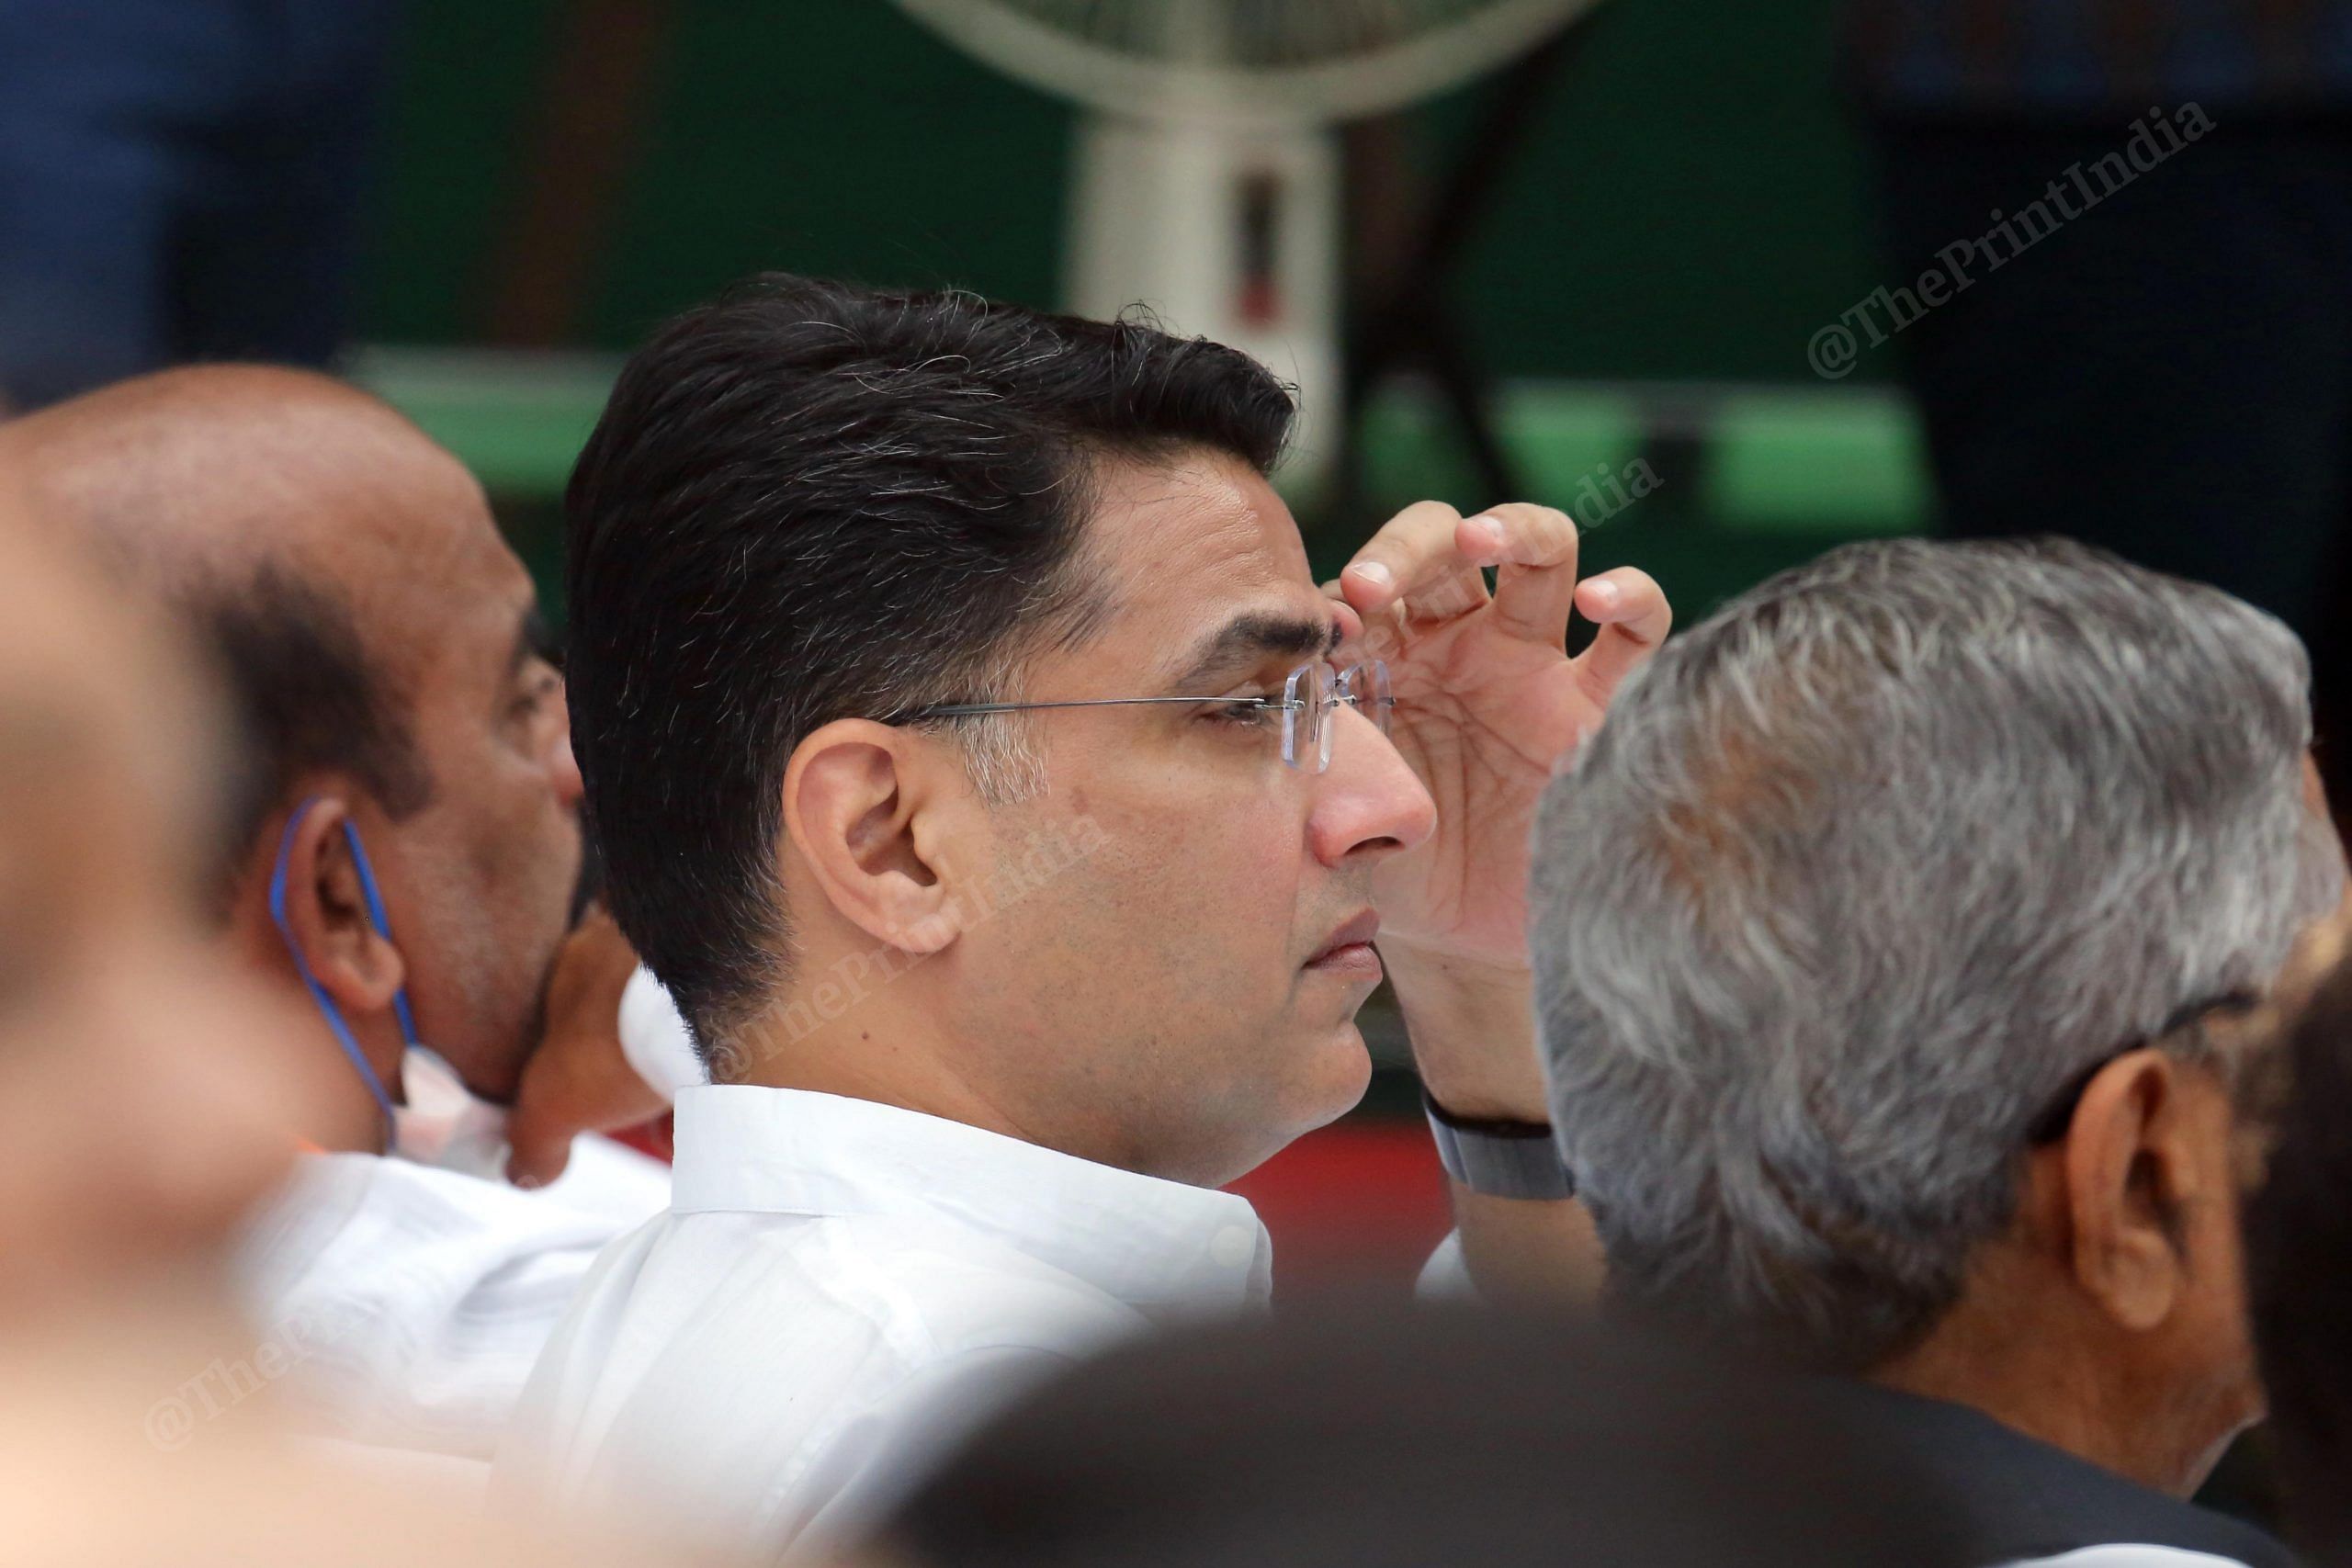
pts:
[1351, 943]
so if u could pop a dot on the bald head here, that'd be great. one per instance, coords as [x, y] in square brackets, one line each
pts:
[303, 529]
[213, 470]
[379, 640]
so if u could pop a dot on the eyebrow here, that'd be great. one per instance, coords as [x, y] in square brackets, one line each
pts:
[1250, 637]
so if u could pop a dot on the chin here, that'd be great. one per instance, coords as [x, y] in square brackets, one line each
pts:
[1339, 1070]
[1325, 1076]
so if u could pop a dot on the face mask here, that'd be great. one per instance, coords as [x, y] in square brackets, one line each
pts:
[442, 1124]
[437, 1122]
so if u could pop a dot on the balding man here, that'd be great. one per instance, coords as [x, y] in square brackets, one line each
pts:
[406, 863]
[1894, 942]
[144, 1090]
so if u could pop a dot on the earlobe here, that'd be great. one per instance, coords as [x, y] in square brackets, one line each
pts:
[326, 917]
[853, 801]
[2130, 1179]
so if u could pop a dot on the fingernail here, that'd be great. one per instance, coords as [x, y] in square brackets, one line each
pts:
[1606, 592]
[1374, 573]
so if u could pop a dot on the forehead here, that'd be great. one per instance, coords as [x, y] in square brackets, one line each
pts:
[1184, 544]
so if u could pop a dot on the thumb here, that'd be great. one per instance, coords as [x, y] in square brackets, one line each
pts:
[538, 1146]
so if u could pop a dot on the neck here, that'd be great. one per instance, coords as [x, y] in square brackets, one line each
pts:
[2058, 1380]
[873, 1047]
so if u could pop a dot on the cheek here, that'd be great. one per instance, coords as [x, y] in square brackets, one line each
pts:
[1207, 867]
[175, 1112]
[527, 852]
[1194, 921]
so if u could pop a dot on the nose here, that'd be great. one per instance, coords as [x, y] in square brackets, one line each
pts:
[1368, 802]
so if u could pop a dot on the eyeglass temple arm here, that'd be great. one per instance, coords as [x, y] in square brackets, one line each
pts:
[957, 710]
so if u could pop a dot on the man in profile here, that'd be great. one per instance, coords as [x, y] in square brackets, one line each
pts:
[880, 602]
[401, 863]
[1893, 943]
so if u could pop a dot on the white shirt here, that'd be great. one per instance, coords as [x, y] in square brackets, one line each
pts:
[408, 1299]
[413, 1300]
[839, 1290]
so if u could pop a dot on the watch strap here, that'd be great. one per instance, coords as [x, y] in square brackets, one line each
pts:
[1500, 1159]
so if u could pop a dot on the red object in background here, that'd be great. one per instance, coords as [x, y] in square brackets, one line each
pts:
[1363, 1202]
[651, 1137]
[1359, 1203]
[1260, 302]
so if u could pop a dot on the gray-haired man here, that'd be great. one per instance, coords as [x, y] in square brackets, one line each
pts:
[1888, 942]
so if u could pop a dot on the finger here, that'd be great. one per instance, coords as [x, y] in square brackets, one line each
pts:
[536, 1152]
[1634, 616]
[1455, 595]
[1412, 558]
[1533, 549]
[1361, 637]
[1349, 622]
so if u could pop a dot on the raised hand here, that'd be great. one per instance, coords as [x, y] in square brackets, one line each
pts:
[1488, 703]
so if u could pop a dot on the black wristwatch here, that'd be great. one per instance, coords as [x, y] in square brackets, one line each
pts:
[1500, 1159]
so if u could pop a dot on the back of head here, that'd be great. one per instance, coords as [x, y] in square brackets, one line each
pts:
[809, 502]
[1868, 868]
[1367, 1439]
[2299, 1249]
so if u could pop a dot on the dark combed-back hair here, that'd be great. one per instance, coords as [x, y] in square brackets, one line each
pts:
[808, 501]
[2299, 1261]
[305, 697]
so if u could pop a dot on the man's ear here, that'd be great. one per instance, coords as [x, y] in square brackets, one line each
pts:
[2134, 1172]
[326, 913]
[859, 799]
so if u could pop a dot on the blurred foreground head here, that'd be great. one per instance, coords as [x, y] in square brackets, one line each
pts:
[1376, 1438]
[2299, 1245]
[146, 1088]
[382, 650]
[147, 1085]
[1888, 942]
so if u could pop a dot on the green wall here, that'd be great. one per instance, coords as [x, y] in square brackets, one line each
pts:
[1688, 209]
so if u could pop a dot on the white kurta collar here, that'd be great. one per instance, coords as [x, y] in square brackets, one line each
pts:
[1149, 1242]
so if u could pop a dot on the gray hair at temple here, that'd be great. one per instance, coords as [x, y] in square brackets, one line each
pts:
[1860, 873]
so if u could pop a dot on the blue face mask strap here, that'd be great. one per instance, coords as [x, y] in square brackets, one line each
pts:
[383, 925]
[334, 1015]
